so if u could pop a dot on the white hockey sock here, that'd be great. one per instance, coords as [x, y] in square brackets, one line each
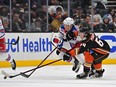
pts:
[80, 58]
[61, 55]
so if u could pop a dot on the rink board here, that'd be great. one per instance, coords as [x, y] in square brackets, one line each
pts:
[34, 47]
[22, 63]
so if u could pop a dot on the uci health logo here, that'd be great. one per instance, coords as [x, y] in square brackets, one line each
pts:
[28, 45]
[111, 38]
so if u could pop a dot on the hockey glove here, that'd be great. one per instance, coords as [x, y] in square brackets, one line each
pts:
[66, 56]
[58, 51]
[70, 35]
[56, 40]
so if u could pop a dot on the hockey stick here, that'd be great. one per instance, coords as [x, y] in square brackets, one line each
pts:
[6, 75]
[11, 43]
[27, 76]
[24, 73]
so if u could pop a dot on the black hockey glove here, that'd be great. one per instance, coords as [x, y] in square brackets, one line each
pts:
[70, 35]
[66, 56]
[58, 51]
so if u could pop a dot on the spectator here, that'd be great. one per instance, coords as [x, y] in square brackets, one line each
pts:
[79, 14]
[97, 15]
[84, 3]
[100, 4]
[96, 21]
[106, 21]
[86, 24]
[110, 14]
[97, 25]
[53, 9]
[101, 27]
[54, 2]
[5, 17]
[38, 24]
[6, 24]
[17, 24]
[113, 25]
[4, 11]
[57, 13]
[41, 14]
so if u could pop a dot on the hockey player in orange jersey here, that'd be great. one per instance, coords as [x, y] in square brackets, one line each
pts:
[95, 51]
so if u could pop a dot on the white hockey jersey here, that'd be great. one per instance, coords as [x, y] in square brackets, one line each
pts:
[2, 31]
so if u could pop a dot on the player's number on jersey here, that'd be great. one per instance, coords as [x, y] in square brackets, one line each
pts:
[99, 42]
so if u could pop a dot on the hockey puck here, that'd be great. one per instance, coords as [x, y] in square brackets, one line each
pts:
[5, 77]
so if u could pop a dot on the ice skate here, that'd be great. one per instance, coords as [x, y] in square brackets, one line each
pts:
[76, 66]
[82, 75]
[13, 64]
[97, 74]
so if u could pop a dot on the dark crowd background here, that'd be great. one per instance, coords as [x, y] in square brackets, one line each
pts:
[48, 15]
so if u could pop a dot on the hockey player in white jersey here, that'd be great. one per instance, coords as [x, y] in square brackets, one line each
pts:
[3, 54]
[66, 39]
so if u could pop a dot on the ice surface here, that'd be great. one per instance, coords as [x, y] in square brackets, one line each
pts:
[57, 76]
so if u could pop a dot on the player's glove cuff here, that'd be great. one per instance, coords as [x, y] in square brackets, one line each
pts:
[58, 51]
[66, 56]
[70, 35]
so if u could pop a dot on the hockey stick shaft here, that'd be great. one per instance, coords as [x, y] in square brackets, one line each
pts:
[11, 43]
[38, 67]
[12, 76]
[25, 75]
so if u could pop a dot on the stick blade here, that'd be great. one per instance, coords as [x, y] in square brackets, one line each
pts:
[16, 41]
[5, 74]
[24, 75]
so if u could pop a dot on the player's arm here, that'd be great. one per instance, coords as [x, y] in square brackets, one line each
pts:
[71, 35]
[78, 49]
[59, 40]
[86, 38]
[82, 46]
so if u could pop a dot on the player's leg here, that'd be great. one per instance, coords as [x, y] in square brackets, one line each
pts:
[87, 65]
[5, 56]
[11, 61]
[76, 65]
[66, 48]
[73, 60]
[79, 60]
[97, 70]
